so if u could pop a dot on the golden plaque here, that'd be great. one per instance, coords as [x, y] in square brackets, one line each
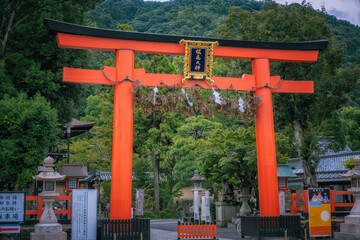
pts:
[198, 60]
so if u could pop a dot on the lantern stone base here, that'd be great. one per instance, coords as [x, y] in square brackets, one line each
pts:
[346, 236]
[350, 229]
[224, 213]
[48, 232]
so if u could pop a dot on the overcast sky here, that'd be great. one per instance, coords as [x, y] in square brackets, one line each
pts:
[343, 9]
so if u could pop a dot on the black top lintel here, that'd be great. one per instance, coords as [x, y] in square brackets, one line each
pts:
[55, 26]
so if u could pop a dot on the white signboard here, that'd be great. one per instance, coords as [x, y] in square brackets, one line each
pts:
[84, 202]
[11, 207]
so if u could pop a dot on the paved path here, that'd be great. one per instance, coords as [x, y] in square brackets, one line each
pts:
[166, 229]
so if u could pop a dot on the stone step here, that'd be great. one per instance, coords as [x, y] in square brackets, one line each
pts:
[231, 225]
[349, 228]
[234, 219]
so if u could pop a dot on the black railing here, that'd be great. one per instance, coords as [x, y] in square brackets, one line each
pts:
[123, 229]
[271, 226]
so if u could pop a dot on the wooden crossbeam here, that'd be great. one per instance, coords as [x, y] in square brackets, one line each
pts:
[246, 83]
[110, 44]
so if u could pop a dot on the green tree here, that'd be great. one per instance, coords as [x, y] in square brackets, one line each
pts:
[31, 61]
[184, 150]
[305, 113]
[94, 149]
[28, 127]
[229, 158]
[351, 121]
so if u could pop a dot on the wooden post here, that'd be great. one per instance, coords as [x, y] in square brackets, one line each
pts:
[265, 141]
[306, 200]
[121, 176]
[293, 202]
[332, 199]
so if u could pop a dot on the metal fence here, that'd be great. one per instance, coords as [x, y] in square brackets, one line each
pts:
[125, 229]
[271, 226]
[197, 231]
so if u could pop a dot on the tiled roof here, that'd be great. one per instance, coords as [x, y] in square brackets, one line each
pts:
[103, 176]
[330, 168]
[331, 176]
[73, 170]
[106, 176]
[283, 170]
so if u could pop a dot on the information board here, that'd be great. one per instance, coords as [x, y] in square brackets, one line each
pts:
[12, 205]
[84, 202]
[319, 212]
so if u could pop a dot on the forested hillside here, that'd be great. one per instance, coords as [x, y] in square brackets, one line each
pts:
[181, 17]
[198, 18]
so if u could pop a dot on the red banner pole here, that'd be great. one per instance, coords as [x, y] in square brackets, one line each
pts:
[121, 177]
[265, 141]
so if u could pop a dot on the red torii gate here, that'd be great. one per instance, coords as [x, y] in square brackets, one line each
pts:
[123, 76]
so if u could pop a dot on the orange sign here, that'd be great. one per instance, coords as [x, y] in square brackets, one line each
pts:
[319, 212]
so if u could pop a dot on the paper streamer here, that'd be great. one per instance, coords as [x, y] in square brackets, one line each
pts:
[187, 97]
[155, 91]
[241, 105]
[217, 96]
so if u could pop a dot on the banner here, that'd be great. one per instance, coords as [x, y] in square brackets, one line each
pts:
[319, 212]
[139, 202]
[205, 206]
[196, 205]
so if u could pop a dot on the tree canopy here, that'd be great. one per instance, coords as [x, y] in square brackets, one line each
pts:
[34, 100]
[28, 127]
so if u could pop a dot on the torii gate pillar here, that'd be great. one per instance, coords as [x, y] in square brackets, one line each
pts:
[121, 174]
[265, 141]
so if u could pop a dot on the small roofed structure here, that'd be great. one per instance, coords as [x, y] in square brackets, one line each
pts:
[76, 127]
[283, 173]
[73, 172]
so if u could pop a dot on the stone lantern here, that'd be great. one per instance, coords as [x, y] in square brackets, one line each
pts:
[48, 228]
[351, 228]
[196, 179]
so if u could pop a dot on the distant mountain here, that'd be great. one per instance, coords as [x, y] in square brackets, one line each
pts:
[197, 18]
[181, 17]
[345, 31]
